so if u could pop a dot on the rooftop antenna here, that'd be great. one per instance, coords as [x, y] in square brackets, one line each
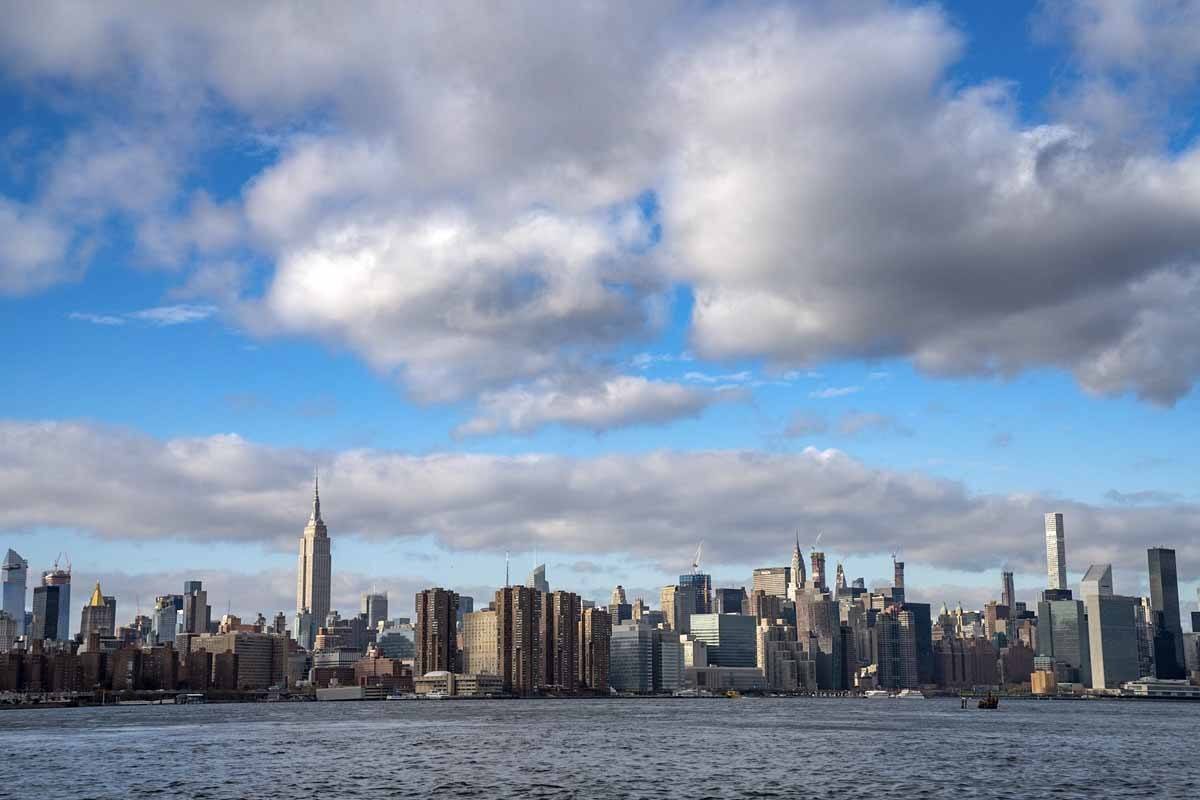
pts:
[506, 583]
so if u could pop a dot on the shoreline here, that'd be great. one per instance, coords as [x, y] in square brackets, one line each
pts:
[167, 699]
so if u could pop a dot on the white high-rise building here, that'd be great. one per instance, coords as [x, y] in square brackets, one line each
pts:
[1056, 552]
[314, 567]
[1097, 581]
[14, 577]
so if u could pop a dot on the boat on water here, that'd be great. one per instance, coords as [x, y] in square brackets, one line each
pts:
[434, 696]
[877, 694]
[909, 694]
[989, 702]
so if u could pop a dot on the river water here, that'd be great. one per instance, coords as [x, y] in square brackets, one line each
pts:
[694, 749]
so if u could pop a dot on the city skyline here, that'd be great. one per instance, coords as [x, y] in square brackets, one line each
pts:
[497, 321]
[781, 581]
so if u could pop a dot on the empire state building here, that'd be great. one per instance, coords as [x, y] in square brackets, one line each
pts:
[313, 568]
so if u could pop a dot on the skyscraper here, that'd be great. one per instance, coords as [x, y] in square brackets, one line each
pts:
[1007, 595]
[166, 617]
[46, 616]
[595, 631]
[670, 609]
[1112, 636]
[728, 601]
[375, 606]
[436, 631]
[197, 613]
[479, 636]
[14, 577]
[818, 571]
[537, 579]
[1063, 635]
[732, 639]
[99, 616]
[563, 612]
[314, 566]
[1164, 599]
[52, 610]
[773, 580]
[518, 641]
[799, 579]
[1097, 581]
[699, 586]
[1056, 552]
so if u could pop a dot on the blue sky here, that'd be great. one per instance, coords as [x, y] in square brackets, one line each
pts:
[347, 262]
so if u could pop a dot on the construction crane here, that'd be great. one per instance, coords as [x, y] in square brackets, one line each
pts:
[818, 540]
[696, 559]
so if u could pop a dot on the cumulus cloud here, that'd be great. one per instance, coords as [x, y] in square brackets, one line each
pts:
[744, 505]
[444, 204]
[33, 249]
[457, 307]
[906, 219]
[617, 402]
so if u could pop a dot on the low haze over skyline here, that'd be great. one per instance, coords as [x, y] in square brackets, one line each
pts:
[602, 284]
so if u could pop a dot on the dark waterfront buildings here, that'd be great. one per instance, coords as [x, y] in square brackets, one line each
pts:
[436, 631]
[1164, 600]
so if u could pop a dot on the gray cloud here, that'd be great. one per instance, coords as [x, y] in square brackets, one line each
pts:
[1151, 497]
[442, 204]
[854, 423]
[619, 401]
[803, 424]
[649, 506]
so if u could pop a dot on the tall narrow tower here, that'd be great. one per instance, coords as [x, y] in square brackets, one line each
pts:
[1056, 552]
[1008, 597]
[799, 579]
[14, 577]
[314, 566]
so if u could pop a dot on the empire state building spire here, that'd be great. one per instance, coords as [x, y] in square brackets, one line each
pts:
[313, 568]
[316, 512]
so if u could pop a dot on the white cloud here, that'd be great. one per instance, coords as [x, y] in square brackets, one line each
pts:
[33, 250]
[902, 214]
[456, 307]
[744, 505]
[160, 316]
[830, 392]
[617, 402]
[180, 314]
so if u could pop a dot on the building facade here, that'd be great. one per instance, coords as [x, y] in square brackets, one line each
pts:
[314, 566]
[1112, 635]
[595, 636]
[1056, 552]
[436, 631]
[731, 639]
[519, 656]
[14, 583]
[480, 635]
